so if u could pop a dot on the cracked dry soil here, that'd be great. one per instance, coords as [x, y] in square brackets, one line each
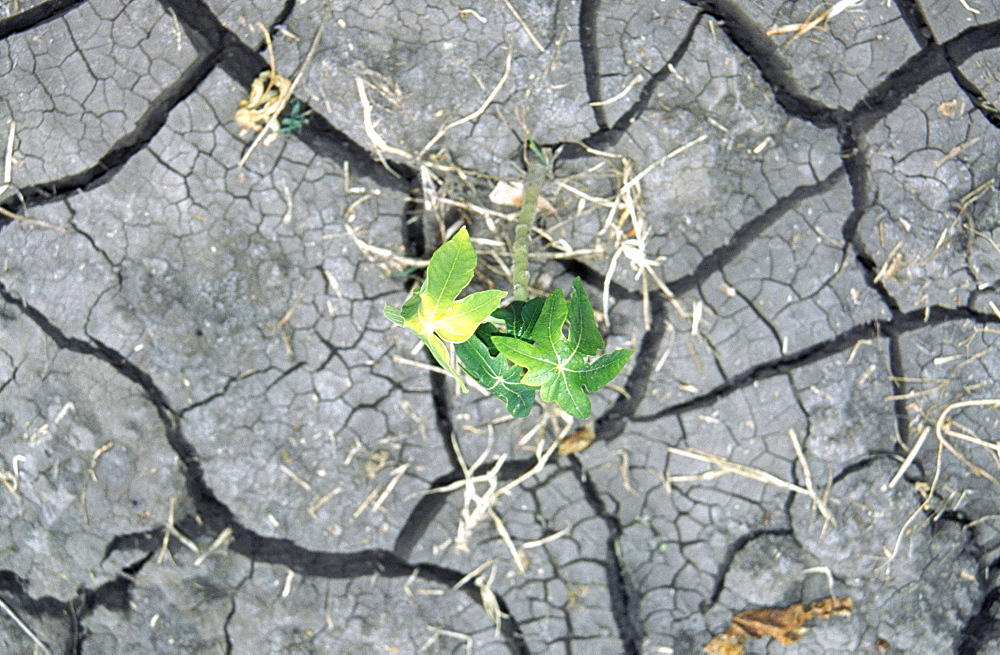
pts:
[212, 441]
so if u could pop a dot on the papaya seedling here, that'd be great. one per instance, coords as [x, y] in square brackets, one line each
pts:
[531, 352]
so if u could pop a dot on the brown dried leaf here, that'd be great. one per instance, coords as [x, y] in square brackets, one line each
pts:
[726, 644]
[830, 607]
[948, 109]
[785, 625]
[577, 441]
[506, 194]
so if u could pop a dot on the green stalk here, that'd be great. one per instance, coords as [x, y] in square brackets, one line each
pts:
[522, 233]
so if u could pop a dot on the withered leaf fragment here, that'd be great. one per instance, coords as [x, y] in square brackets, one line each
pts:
[786, 625]
[577, 441]
[261, 109]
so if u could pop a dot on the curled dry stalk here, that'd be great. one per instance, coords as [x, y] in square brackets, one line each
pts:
[270, 93]
[944, 427]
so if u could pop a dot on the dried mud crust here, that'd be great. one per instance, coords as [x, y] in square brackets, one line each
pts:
[211, 440]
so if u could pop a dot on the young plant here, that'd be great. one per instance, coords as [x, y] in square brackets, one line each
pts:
[532, 350]
[297, 118]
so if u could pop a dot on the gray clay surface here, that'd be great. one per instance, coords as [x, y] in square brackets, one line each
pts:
[212, 441]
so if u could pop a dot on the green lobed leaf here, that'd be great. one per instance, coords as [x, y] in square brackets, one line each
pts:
[448, 272]
[411, 306]
[584, 336]
[485, 333]
[548, 330]
[568, 393]
[540, 362]
[497, 376]
[557, 364]
[460, 321]
[604, 369]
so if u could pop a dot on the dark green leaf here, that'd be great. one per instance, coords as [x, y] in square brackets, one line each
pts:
[485, 333]
[557, 363]
[520, 317]
[496, 375]
[528, 317]
[411, 306]
[584, 337]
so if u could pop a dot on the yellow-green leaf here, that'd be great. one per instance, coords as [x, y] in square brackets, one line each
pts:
[433, 311]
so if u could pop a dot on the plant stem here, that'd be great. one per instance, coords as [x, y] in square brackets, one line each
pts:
[522, 233]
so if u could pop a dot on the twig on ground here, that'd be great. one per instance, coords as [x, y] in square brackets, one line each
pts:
[395, 476]
[815, 21]
[910, 456]
[941, 428]
[618, 96]
[24, 627]
[476, 505]
[8, 159]
[969, 7]
[288, 314]
[380, 144]
[439, 632]
[11, 478]
[218, 544]
[725, 467]
[524, 25]
[633, 243]
[30, 221]
[891, 555]
[375, 252]
[517, 556]
[474, 115]
[807, 474]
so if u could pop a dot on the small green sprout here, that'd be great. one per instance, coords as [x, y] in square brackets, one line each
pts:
[296, 119]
